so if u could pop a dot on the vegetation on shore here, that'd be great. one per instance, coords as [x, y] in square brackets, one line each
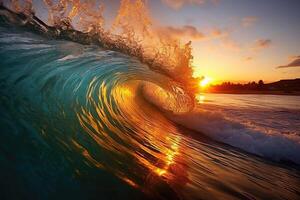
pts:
[282, 87]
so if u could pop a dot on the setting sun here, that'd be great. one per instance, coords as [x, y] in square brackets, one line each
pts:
[205, 82]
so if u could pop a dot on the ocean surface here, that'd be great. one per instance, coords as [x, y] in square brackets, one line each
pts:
[81, 122]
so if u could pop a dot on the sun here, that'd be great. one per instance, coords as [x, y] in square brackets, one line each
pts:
[205, 82]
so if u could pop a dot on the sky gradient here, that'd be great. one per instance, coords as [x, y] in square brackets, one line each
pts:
[237, 41]
[255, 37]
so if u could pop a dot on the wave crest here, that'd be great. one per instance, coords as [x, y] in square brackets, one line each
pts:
[131, 33]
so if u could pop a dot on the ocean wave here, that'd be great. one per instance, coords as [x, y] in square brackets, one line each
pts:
[78, 118]
[275, 146]
[169, 58]
[158, 87]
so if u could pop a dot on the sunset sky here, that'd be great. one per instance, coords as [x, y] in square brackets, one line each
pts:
[232, 40]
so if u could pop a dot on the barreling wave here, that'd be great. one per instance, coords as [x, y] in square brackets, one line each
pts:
[172, 96]
[99, 104]
[84, 102]
[175, 96]
[131, 33]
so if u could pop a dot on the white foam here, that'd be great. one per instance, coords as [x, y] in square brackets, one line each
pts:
[68, 57]
[278, 147]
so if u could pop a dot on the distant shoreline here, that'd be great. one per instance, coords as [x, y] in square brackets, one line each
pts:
[294, 93]
[282, 87]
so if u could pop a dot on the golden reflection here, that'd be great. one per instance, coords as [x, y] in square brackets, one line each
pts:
[127, 131]
[200, 98]
[160, 172]
[169, 156]
[86, 154]
[125, 91]
[130, 182]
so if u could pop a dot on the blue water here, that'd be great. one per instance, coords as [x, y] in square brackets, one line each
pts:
[76, 123]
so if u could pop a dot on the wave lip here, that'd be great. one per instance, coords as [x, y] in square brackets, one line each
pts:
[175, 101]
[160, 54]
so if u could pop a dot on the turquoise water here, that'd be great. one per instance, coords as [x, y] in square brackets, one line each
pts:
[75, 123]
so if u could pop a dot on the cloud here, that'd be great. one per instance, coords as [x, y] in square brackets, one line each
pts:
[294, 63]
[177, 4]
[215, 2]
[191, 33]
[230, 44]
[179, 32]
[293, 57]
[218, 33]
[262, 44]
[249, 58]
[249, 21]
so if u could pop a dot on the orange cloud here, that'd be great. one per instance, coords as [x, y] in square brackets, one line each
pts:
[294, 63]
[249, 58]
[218, 33]
[177, 4]
[179, 32]
[230, 44]
[262, 43]
[191, 33]
[249, 21]
[293, 57]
